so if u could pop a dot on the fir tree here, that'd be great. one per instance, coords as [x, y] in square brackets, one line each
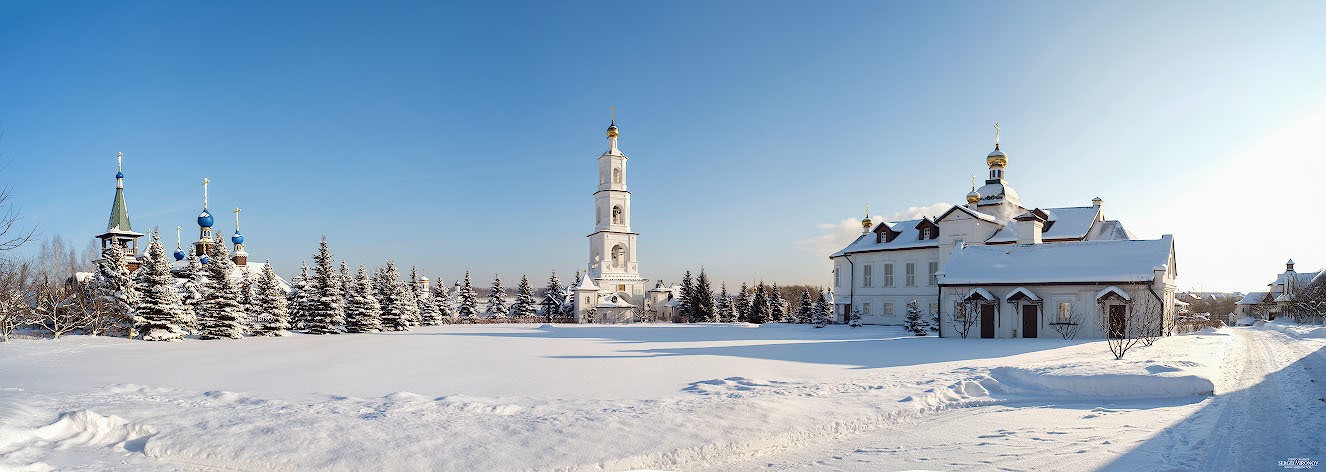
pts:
[686, 306]
[759, 306]
[115, 287]
[326, 314]
[446, 310]
[246, 288]
[916, 322]
[724, 311]
[220, 314]
[428, 315]
[160, 309]
[362, 312]
[823, 312]
[345, 279]
[467, 300]
[391, 298]
[191, 290]
[702, 301]
[299, 299]
[269, 305]
[524, 307]
[777, 310]
[743, 303]
[806, 310]
[409, 303]
[553, 295]
[497, 299]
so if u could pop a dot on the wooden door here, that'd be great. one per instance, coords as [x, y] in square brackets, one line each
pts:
[1117, 321]
[1029, 321]
[987, 320]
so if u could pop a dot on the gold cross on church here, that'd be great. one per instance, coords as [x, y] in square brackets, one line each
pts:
[205, 182]
[237, 219]
[996, 133]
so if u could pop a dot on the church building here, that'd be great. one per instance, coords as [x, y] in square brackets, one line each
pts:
[1019, 271]
[612, 288]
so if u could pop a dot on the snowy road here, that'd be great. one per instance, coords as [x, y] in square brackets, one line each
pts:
[1268, 408]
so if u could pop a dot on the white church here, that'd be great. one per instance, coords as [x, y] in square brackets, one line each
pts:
[1019, 271]
[612, 290]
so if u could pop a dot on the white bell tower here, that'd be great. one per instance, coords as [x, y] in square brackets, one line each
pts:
[612, 262]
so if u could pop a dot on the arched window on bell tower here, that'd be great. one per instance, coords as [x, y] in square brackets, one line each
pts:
[619, 256]
[617, 216]
[617, 175]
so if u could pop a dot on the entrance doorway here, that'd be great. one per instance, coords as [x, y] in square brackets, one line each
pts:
[1117, 321]
[1029, 321]
[987, 320]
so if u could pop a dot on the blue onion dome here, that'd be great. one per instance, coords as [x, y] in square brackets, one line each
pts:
[119, 175]
[205, 219]
[179, 254]
[204, 259]
[237, 238]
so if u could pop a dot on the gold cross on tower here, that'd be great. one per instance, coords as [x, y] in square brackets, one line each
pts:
[119, 162]
[996, 134]
[205, 182]
[612, 113]
[236, 219]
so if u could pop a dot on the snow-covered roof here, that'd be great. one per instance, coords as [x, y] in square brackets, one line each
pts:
[1107, 291]
[251, 271]
[1067, 262]
[909, 239]
[973, 213]
[1063, 223]
[998, 192]
[979, 292]
[1253, 298]
[586, 284]
[1025, 293]
[613, 301]
[1301, 279]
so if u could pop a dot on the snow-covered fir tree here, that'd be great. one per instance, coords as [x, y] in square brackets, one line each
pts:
[326, 314]
[409, 304]
[806, 310]
[446, 310]
[270, 309]
[298, 299]
[702, 301]
[777, 308]
[759, 306]
[553, 295]
[823, 311]
[916, 322]
[362, 312]
[743, 303]
[220, 314]
[467, 300]
[160, 309]
[525, 305]
[191, 290]
[723, 310]
[345, 278]
[686, 306]
[388, 290]
[115, 287]
[246, 288]
[497, 299]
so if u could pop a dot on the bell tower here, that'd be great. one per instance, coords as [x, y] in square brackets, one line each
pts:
[612, 251]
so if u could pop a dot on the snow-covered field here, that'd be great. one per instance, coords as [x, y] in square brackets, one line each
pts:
[674, 397]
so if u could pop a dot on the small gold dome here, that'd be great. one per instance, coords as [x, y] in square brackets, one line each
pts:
[612, 129]
[996, 158]
[866, 224]
[973, 197]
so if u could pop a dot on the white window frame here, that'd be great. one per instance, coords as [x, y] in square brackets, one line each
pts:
[888, 309]
[933, 267]
[867, 274]
[1065, 312]
[911, 274]
[888, 275]
[865, 309]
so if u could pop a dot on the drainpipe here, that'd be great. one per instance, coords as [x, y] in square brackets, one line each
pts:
[851, 287]
[1150, 288]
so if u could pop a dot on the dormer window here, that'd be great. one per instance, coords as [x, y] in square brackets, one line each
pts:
[925, 233]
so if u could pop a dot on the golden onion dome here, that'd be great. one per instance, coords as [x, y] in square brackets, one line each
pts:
[973, 197]
[866, 223]
[612, 129]
[996, 159]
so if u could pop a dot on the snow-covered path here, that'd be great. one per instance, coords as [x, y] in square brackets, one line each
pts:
[1268, 408]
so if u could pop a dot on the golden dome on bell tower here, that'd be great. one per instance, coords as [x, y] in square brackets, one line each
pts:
[612, 129]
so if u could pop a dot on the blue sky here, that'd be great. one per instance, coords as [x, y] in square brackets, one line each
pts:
[464, 136]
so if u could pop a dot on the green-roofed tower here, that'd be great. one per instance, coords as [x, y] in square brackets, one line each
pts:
[118, 229]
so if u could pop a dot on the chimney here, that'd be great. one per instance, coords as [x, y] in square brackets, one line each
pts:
[1289, 266]
[1029, 227]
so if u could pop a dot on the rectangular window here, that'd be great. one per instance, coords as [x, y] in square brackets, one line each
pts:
[934, 269]
[866, 275]
[1065, 312]
[925, 233]
[911, 274]
[865, 309]
[888, 309]
[934, 308]
[837, 281]
[888, 275]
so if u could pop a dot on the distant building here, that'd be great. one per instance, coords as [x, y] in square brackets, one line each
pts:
[1279, 294]
[1023, 269]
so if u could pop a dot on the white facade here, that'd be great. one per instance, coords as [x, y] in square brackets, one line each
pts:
[613, 266]
[893, 263]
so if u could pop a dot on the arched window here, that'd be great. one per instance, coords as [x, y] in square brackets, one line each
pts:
[619, 256]
[616, 175]
[617, 217]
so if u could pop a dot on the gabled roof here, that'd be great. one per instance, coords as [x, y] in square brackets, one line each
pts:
[1067, 262]
[1022, 292]
[586, 284]
[866, 242]
[1254, 298]
[1068, 223]
[1113, 291]
[973, 213]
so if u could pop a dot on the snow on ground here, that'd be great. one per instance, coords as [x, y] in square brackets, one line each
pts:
[572, 397]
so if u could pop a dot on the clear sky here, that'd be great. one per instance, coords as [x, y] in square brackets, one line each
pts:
[464, 136]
